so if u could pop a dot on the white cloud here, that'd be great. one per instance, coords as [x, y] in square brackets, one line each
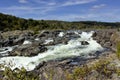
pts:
[27, 9]
[47, 7]
[63, 3]
[76, 2]
[21, 8]
[23, 1]
[91, 16]
[69, 17]
[109, 15]
[52, 3]
[43, 8]
[98, 6]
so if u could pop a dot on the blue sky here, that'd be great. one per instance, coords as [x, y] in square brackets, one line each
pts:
[66, 10]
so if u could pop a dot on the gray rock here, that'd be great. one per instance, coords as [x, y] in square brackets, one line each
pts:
[40, 65]
[1, 41]
[46, 34]
[115, 77]
[8, 42]
[28, 50]
[94, 34]
[104, 37]
[26, 35]
[107, 44]
[19, 41]
[93, 75]
[84, 43]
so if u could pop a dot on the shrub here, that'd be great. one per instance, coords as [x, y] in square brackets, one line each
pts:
[118, 50]
[19, 74]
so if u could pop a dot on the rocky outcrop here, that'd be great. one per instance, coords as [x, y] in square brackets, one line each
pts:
[28, 50]
[1, 40]
[57, 69]
[12, 38]
[84, 43]
[19, 41]
[107, 38]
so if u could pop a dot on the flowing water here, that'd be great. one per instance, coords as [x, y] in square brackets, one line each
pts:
[73, 48]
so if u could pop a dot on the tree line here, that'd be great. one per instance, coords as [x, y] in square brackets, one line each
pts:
[9, 22]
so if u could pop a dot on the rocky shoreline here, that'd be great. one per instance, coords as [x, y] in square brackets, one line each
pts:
[30, 44]
[47, 38]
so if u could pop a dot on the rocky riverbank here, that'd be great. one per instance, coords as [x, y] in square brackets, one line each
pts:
[28, 44]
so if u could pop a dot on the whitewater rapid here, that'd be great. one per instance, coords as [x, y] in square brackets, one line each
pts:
[73, 48]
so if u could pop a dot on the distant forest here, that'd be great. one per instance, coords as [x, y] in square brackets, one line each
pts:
[9, 22]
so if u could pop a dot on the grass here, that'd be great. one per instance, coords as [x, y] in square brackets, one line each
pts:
[118, 50]
[19, 75]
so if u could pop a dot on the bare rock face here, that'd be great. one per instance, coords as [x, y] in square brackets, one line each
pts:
[12, 38]
[1, 37]
[19, 41]
[57, 68]
[28, 50]
[9, 41]
[1, 40]
[46, 34]
[84, 43]
[105, 38]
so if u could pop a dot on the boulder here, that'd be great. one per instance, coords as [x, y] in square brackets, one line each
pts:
[9, 42]
[1, 37]
[56, 32]
[44, 33]
[94, 34]
[106, 38]
[19, 41]
[26, 35]
[107, 44]
[40, 65]
[115, 76]
[84, 43]
[28, 50]
[1, 41]
[60, 40]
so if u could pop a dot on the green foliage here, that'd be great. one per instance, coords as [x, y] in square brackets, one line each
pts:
[19, 74]
[118, 50]
[51, 74]
[118, 72]
[68, 76]
[8, 22]
[79, 73]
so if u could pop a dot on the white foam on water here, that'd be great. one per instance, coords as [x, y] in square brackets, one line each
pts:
[73, 48]
[86, 35]
[27, 42]
[37, 39]
[4, 51]
[48, 41]
[61, 34]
